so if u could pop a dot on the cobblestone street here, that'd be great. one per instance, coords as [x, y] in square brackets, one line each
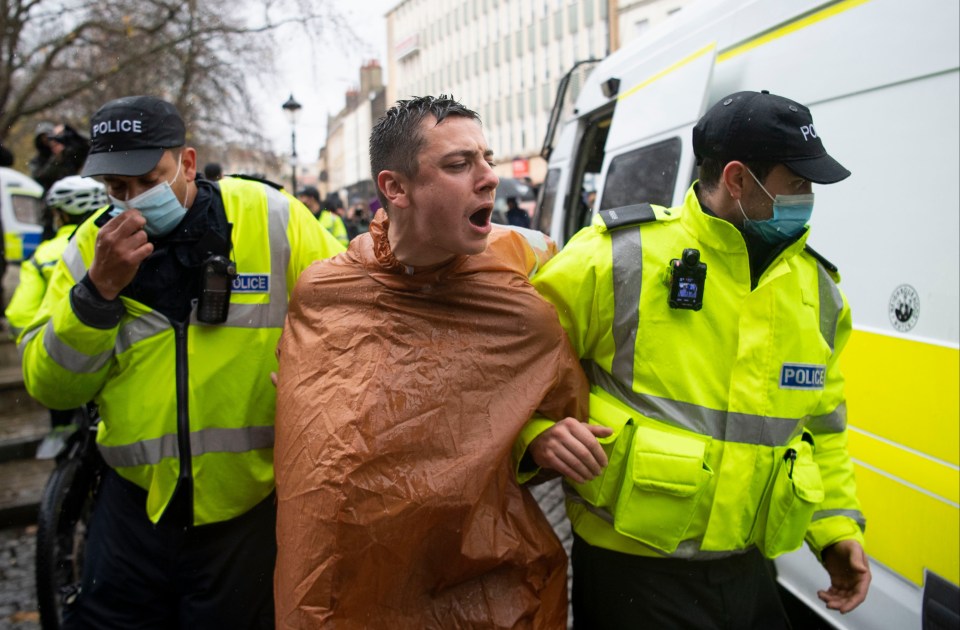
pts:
[18, 597]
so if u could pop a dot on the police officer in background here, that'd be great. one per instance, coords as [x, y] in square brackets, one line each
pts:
[327, 216]
[140, 318]
[711, 336]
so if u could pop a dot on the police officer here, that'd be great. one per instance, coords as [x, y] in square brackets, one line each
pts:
[327, 216]
[141, 319]
[711, 337]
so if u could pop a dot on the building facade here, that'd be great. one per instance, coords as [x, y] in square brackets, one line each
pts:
[345, 158]
[502, 58]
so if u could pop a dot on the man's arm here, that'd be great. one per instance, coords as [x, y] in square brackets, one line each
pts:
[835, 533]
[568, 281]
[69, 347]
[27, 297]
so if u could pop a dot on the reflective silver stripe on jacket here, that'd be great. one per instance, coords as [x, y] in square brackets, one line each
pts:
[136, 330]
[272, 314]
[728, 426]
[68, 357]
[151, 452]
[856, 515]
[831, 303]
[627, 275]
[833, 422]
[74, 261]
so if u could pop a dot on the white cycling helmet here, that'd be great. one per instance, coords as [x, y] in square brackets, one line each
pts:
[77, 195]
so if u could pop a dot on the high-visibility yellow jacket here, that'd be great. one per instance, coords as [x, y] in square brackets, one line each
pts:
[192, 395]
[729, 422]
[34, 278]
[331, 222]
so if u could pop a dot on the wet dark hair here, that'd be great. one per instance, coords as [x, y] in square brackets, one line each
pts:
[710, 170]
[396, 139]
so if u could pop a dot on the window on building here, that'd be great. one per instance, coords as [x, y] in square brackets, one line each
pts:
[531, 36]
[603, 10]
[644, 175]
[544, 31]
[518, 43]
[588, 12]
[572, 18]
[557, 24]
[508, 113]
[532, 102]
[496, 54]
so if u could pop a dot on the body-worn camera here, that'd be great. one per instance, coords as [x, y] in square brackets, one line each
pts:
[215, 285]
[688, 278]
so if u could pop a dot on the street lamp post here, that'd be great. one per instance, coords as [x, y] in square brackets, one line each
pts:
[292, 107]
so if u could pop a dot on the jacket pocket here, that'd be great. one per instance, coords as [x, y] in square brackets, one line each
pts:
[667, 477]
[602, 490]
[797, 490]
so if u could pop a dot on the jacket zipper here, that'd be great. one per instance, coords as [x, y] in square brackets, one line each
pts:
[183, 414]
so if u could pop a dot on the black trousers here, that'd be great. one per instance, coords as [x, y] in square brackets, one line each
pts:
[618, 591]
[172, 574]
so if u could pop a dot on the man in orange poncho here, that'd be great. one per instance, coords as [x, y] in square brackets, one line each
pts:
[408, 367]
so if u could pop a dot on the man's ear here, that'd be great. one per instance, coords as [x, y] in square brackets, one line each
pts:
[732, 178]
[188, 163]
[395, 188]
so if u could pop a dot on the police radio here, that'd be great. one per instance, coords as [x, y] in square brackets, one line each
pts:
[216, 281]
[688, 278]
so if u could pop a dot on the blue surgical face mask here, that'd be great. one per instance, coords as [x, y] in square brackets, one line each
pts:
[791, 213]
[159, 206]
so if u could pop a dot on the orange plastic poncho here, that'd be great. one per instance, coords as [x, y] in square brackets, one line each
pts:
[399, 399]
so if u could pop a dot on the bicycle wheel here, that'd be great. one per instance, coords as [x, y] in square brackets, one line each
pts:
[61, 534]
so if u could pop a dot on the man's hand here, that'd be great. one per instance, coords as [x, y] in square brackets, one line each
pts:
[121, 247]
[846, 562]
[570, 447]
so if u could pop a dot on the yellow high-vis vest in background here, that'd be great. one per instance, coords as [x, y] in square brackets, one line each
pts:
[331, 222]
[152, 378]
[729, 422]
[35, 275]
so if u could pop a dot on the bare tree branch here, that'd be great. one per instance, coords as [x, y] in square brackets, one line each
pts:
[62, 59]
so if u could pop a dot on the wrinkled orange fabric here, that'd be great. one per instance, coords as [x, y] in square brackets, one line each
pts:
[399, 398]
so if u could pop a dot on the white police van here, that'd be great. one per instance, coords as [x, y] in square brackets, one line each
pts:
[21, 207]
[882, 80]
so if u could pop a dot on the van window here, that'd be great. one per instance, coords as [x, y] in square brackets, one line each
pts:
[645, 175]
[548, 197]
[27, 209]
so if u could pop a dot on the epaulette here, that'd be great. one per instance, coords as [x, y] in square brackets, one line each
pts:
[635, 214]
[829, 266]
[254, 178]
